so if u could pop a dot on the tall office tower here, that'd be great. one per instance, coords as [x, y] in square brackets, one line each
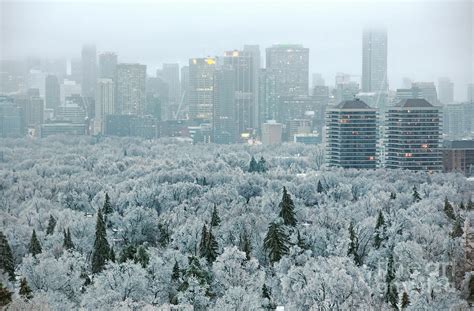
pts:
[224, 123]
[374, 60]
[89, 71]
[318, 80]
[268, 99]
[446, 90]
[104, 103]
[458, 120]
[254, 51]
[170, 75]
[36, 80]
[76, 70]
[351, 135]
[244, 86]
[130, 89]
[183, 104]
[470, 92]
[107, 65]
[414, 136]
[428, 91]
[33, 109]
[11, 118]
[201, 83]
[290, 65]
[52, 92]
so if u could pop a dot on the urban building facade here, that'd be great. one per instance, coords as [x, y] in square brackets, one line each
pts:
[130, 89]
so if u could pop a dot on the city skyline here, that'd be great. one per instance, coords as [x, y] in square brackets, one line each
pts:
[332, 32]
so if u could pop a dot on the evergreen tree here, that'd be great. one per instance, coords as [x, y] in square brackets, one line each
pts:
[262, 165]
[7, 263]
[253, 166]
[25, 291]
[266, 292]
[391, 294]
[470, 205]
[5, 296]
[112, 255]
[301, 242]
[461, 206]
[142, 257]
[354, 245]
[51, 225]
[35, 247]
[67, 244]
[449, 210]
[164, 238]
[276, 242]
[379, 231]
[416, 195]
[203, 242]
[128, 253]
[195, 270]
[457, 228]
[287, 209]
[101, 252]
[320, 188]
[215, 220]
[245, 245]
[405, 300]
[107, 208]
[393, 196]
[176, 275]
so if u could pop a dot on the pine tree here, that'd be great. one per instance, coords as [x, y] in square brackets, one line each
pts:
[267, 294]
[142, 257]
[67, 244]
[405, 300]
[164, 238]
[461, 206]
[457, 228]
[287, 209]
[203, 242]
[51, 225]
[470, 205]
[354, 245]
[101, 252]
[449, 210]
[107, 208]
[215, 220]
[246, 245]
[35, 247]
[276, 242]
[7, 263]
[176, 275]
[379, 231]
[25, 291]
[253, 166]
[128, 253]
[301, 242]
[262, 165]
[195, 270]
[393, 196]
[416, 195]
[5, 296]
[112, 255]
[320, 188]
[391, 294]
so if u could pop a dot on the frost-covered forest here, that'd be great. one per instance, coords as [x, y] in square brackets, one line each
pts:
[130, 224]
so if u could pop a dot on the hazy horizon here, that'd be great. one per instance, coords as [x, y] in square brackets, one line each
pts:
[426, 39]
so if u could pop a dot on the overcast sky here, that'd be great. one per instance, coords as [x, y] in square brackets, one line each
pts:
[426, 39]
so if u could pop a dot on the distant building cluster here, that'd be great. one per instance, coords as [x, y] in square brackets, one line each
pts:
[235, 97]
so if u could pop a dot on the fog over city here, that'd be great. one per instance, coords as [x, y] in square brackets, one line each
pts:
[427, 39]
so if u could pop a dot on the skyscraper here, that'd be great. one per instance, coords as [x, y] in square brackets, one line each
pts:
[428, 91]
[52, 92]
[89, 71]
[254, 52]
[107, 65]
[351, 135]
[446, 90]
[224, 127]
[130, 89]
[104, 103]
[183, 104]
[290, 65]
[470, 92]
[201, 84]
[170, 75]
[414, 136]
[374, 61]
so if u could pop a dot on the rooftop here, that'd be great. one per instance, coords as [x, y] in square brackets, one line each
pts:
[414, 103]
[353, 104]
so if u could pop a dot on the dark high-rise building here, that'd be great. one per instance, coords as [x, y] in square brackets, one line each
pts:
[351, 135]
[52, 92]
[201, 84]
[374, 60]
[458, 156]
[11, 118]
[89, 71]
[290, 66]
[224, 123]
[107, 65]
[254, 52]
[130, 89]
[414, 136]
[446, 90]
[170, 75]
